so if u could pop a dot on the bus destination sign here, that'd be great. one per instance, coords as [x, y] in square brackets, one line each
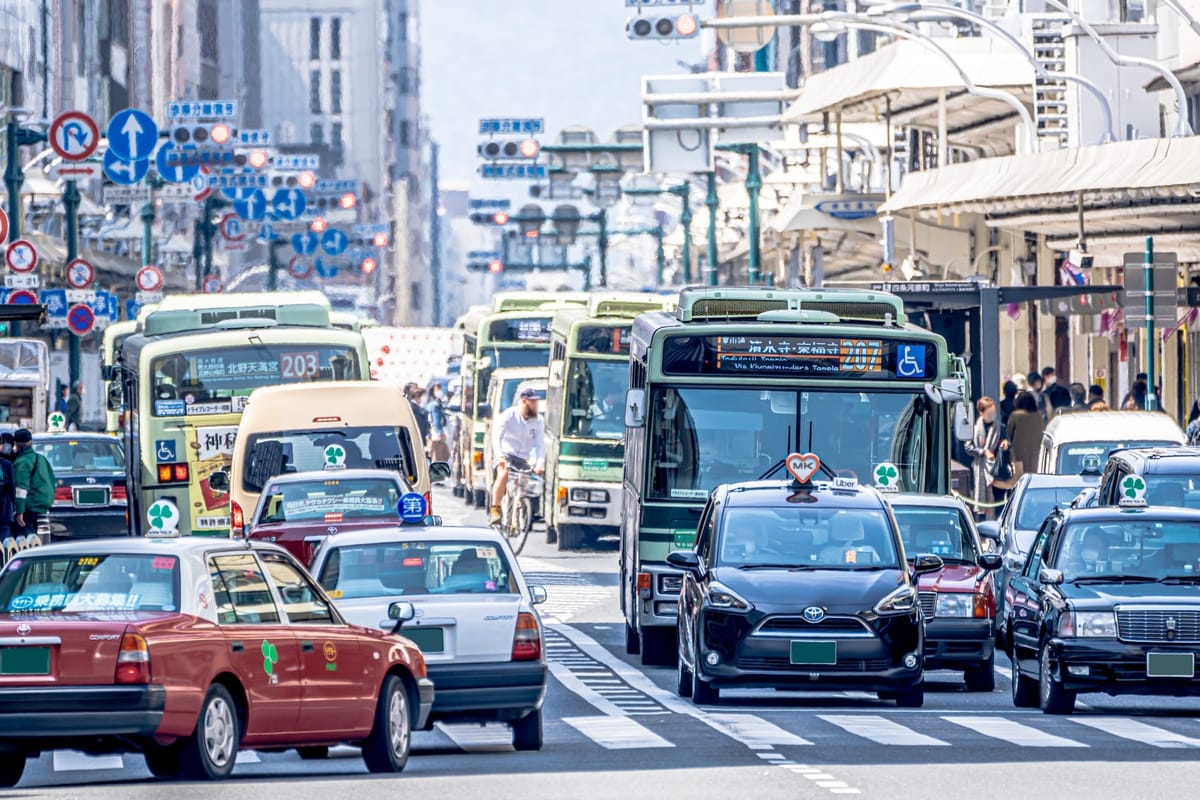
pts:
[800, 356]
[532, 330]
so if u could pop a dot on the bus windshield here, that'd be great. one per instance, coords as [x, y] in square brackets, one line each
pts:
[595, 398]
[212, 380]
[702, 437]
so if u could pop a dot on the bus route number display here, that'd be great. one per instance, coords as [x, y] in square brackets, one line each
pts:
[521, 330]
[604, 339]
[815, 356]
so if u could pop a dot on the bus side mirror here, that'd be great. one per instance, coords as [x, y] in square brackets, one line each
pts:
[484, 410]
[964, 430]
[116, 397]
[635, 408]
[111, 372]
[219, 481]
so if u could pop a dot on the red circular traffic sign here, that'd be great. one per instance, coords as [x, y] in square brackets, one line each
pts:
[80, 274]
[80, 319]
[212, 284]
[149, 279]
[200, 184]
[231, 228]
[3, 226]
[300, 268]
[74, 135]
[21, 256]
[22, 297]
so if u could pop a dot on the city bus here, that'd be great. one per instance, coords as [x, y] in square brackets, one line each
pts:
[585, 414]
[111, 343]
[185, 378]
[724, 388]
[491, 340]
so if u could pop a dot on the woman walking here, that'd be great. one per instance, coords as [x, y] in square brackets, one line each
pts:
[1024, 432]
[985, 447]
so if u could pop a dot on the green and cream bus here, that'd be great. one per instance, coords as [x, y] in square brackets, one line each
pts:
[722, 390]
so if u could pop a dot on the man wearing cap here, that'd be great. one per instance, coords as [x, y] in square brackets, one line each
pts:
[75, 407]
[33, 484]
[7, 488]
[517, 434]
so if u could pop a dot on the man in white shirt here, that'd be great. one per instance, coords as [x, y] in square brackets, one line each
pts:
[517, 436]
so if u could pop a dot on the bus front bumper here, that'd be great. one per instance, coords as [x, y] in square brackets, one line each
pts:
[658, 604]
[589, 503]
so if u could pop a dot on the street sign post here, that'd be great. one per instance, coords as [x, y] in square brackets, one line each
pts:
[232, 228]
[149, 279]
[74, 135]
[500, 170]
[202, 109]
[300, 268]
[3, 226]
[253, 208]
[212, 284]
[80, 319]
[288, 204]
[80, 274]
[132, 135]
[305, 243]
[496, 125]
[22, 297]
[21, 256]
[75, 170]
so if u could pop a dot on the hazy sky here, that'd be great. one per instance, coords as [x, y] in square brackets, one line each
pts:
[567, 61]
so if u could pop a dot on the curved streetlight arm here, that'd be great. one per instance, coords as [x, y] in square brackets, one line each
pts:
[1180, 9]
[904, 31]
[1182, 128]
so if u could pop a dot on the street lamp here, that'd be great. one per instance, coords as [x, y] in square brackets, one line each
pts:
[16, 137]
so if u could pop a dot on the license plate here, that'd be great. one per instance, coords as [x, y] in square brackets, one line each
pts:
[1170, 665]
[814, 652]
[595, 465]
[429, 640]
[91, 496]
[25, 661]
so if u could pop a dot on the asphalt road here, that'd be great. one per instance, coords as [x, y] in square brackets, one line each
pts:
[616, 729]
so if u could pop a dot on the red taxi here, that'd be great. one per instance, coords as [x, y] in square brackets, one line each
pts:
[189, 649]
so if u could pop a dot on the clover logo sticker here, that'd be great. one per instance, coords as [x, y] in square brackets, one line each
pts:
[58, 421]
[163, 516]
[1133, 486]
[270, 657]
[886, 474]
[335, 455]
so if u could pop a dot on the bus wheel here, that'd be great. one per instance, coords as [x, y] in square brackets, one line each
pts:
[551, 534]
[570, 537]
[658, 646]
[633, 642]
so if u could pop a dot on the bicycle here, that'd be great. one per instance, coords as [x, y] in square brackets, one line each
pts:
[516, 510]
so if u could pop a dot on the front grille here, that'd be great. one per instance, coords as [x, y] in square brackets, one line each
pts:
[830, 626]
[1158, 625]
[928, 603]
[844, 665]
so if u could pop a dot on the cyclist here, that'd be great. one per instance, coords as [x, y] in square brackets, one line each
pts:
[517, 435]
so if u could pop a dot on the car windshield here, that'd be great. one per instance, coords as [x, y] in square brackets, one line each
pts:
[595, 398]
[354, 447]
[1037, 502]
[1072, 458]
[1130, 547]
[89, 583]
[940, 531]
[430, 567]
[508, 393]
[67, 454]
[330, 500]
[700, 438]
[787, 536]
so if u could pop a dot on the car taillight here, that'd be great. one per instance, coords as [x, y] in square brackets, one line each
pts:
[173, 473]
[237, 520]
[429, 502]
[527, 641]
[118, 493]
[133, 660]
[62, 494]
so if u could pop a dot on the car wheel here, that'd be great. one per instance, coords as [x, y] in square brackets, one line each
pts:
[387, 746]
[164, 762]
[211, 752]
[703, 692]
[633, 642]
[911, 698]
[527, 732]
[658, 647]
[1024, 690]
[983, 677]
[12, 766]
[1052, 697]
[683, 675]
[313, 753]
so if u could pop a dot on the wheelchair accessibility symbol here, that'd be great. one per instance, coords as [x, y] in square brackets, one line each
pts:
[164, 451]
[910, 361]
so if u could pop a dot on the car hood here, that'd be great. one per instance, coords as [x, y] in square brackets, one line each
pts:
[952, 578]
[835, 590]
[1106, 595]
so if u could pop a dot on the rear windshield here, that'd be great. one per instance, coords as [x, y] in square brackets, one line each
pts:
[417, 568]
[1072, 458]
[795, 537]
[332, 500]
[66, 454]
[352, 447]
[940, 531]
[1036, 504]
[1173, 489]
[92, 582]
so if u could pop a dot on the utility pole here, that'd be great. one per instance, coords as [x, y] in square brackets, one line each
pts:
[70, 201]
[602, 245]
[712, 201]
[685, 221]
[435, 234]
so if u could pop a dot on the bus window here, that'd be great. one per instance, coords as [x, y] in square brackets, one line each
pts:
[594, 403]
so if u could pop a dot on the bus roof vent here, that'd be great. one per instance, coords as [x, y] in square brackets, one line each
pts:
[735, 303]
[804, 315]
[879, 308]
[627, 304]
[532, 300]
[304, 315]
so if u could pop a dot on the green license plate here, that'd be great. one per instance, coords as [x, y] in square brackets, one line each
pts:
[683, 538]
[25, 661]
[91, 496]
[429, 640]
[1170, 665]
[814, 652]
[595, 464]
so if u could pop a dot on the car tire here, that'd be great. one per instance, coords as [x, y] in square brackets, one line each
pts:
[658, 647]
[983, 677]
[164, 762]
[1024, 689]
[551, 535]
[683, 675]
[211, 751]
[911, 698]
[388, 745]
[527, 732]
[633, 641]
[313, 753]
[12, 767]
[703, 692]
[1052, 697]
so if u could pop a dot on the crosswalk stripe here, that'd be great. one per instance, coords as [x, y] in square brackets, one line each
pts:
[1137, 731]
[74, 761]
[883, 731]
[754, 732]
[475, 739]
[1012, 732]
[248, 757]
[617, 733]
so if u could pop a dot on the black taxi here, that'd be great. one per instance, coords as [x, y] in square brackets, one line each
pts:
[800, 584]
[1108, 601]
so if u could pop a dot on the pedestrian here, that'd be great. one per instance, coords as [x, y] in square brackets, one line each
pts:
[33, 485]
[7, 447]
[1024, 434]
[416, 399]
[1095, 396]
[1193, 425]
[438, 449]
[1034, 383]
[61, 404]
[1078, 396]
[7, 485]
[1009, 402]
[985, 447]
[1054, 394]
[1135, 398]
[74, 408]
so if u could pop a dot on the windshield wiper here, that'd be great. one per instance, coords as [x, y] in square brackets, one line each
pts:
[1180, 579]
[871, 568]
[789, 567]
[1113, 579]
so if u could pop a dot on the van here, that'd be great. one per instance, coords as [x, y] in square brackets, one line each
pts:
[331, 425]
[1079, 442]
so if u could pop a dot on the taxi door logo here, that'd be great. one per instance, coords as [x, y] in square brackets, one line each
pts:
[330, 650]
[270, 659]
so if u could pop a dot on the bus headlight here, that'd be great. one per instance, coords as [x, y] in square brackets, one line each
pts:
[579, 495]
[598, 496]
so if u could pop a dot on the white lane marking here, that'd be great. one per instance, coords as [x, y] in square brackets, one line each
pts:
[1012, 732]
[881, 730]
[1137, 731]
[617, 733]
[754, 732]
[491, 738]
[1005, 671]
[248, 757]
[74, 761]
[573, 684]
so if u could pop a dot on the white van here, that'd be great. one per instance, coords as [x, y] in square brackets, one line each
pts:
[1079, 442]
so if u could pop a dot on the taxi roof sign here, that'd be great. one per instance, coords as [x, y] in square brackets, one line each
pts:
[887, 477]
[1133, 492]
[412, 508]
[163, 516]
[57, 422]
[802, 466]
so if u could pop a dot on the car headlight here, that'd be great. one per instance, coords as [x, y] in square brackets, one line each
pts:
[957, 604]
[579, 495]
[901, 601]
[722, 597]
[1088, 623]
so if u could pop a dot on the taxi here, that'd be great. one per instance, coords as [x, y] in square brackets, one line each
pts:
[89, 481]
[187, 649]
[959, 600]
[299, 510]
[1108, 601]
[800, 584]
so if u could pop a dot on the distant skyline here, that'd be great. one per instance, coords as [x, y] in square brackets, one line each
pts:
[569, 62]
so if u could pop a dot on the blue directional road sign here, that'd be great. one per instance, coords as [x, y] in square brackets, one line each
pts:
[324, 270]
[124, 172]
[132, 308]
[100, 304]
[334, 242]
[55, 301]
[253, 208]
[288, 203]
[237, 194]
[305, 244]
[267, 232]
[132, 135]
[113, 312]
[174, 172]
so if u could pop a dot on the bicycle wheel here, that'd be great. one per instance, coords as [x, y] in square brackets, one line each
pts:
[518, 529]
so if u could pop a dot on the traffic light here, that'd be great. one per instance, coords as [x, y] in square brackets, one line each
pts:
[509, 149]
[675, 26]
[369, 265]
[204, 134]
[493, 266]
[490, 217]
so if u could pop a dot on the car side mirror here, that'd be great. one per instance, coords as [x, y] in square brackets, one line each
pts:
[964, 429]
[432, 519]
[635, 408]
[484, 410]
[686, 560]
[401, 611]
[537, 595]
[219, 481]
[438, 471]
[990, 530]
[990, 561]
[1050, 577]
[926, 562]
